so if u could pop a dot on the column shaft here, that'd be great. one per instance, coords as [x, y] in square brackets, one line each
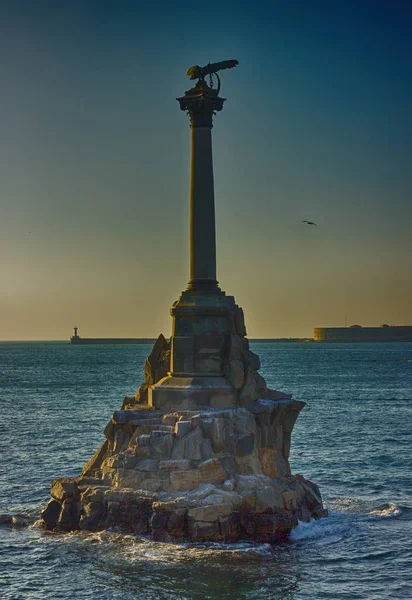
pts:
[202, 211]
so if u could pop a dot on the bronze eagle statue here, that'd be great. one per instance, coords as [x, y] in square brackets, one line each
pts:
[197, 72]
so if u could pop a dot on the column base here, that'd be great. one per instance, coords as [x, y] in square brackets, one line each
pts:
[203, 285]
[192, 393]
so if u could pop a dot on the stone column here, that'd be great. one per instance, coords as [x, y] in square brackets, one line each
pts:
[203, 317]
[201, 102]
[202, 212]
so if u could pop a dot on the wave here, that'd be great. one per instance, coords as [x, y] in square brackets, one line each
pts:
[137, 550]
[18, 520]
[361, 507]
[329, 527]
[142, 546]
[386, 510]
[345, 514]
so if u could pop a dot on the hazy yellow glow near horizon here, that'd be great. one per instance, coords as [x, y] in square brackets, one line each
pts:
[95, 153]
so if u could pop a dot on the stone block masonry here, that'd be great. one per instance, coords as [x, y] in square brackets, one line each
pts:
[210, 475]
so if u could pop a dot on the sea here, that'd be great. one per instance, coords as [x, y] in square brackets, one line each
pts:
[353, 439]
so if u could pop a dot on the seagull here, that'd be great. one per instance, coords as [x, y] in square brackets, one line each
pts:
[309, 223]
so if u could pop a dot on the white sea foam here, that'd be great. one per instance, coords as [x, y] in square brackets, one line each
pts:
[239, 547]
[133, 548]
[348, 504]
[362, 508]
[327, 527]
[386, 511]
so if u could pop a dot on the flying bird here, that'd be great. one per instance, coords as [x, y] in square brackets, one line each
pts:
[309, 223]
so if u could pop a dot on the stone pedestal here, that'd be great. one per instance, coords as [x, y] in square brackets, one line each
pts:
[203, 324]
[191, 393]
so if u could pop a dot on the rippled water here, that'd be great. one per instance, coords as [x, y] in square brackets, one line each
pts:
[353, 439]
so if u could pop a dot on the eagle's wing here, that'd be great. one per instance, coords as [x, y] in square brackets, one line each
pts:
[197, 72]
[219, 66]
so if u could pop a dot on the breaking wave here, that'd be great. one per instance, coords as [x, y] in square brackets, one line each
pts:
[330, 527]
[346, 514]
[386, 510]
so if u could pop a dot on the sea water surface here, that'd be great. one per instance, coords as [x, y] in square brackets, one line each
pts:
[353, 438]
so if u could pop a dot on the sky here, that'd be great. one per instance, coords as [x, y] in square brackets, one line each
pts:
[95, 159]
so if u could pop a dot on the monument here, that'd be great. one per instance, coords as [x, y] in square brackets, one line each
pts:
[204, 318]
[202, 451]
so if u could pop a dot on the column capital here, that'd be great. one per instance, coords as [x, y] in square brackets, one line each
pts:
[201, 103]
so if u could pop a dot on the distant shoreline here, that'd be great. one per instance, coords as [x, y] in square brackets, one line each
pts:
[142, 341]
[151, 341]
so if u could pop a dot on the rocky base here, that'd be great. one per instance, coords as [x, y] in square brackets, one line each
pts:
[201, 476]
